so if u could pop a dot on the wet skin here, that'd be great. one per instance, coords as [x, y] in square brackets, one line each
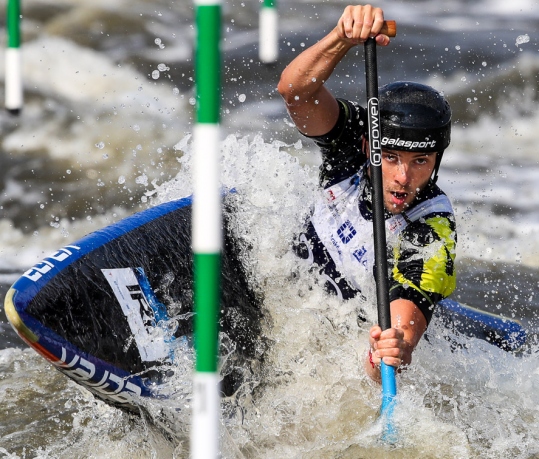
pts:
[404, 175]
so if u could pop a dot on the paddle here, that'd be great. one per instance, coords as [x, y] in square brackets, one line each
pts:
[389, 385]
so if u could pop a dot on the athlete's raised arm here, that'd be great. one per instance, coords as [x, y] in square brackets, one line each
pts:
[311, 106]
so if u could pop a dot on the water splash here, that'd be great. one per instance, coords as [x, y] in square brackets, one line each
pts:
[521, 39]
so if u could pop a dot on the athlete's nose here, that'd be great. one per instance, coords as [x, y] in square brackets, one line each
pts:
[402, 173]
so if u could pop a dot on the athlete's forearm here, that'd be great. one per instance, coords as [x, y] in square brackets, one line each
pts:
[311, 106]
[303, 78]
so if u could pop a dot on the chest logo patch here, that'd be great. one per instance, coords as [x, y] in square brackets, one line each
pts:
[346, 232]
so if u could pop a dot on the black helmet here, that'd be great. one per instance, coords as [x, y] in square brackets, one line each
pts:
[414, 117]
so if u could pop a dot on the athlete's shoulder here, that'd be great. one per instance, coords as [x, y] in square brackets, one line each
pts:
[431, 200]
[431, 219]
[350, 126]
[342, 155]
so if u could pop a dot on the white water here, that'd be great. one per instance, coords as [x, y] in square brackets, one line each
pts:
[315, 400]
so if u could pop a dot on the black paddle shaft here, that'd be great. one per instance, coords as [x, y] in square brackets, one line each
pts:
[375, 136]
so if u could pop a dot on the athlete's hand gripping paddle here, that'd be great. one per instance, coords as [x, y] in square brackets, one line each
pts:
[389, 385]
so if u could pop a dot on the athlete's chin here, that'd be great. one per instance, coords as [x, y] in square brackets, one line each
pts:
[394, 209]
[397, 208]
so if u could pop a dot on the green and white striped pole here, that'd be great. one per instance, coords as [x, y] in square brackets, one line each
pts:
[207, 232]
[13, 75]
[268, 39]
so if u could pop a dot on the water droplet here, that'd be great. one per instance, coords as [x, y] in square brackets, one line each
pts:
[242, 97]
[156, 74]
[192, 101]
[175, 91]
[100, 145]
[142, 180]
[521, 39]
[121, 179]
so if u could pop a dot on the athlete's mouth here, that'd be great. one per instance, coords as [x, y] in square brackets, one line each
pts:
[400, 195]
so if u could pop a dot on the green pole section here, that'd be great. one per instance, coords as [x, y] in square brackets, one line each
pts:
[207, 274]
[269, 3]
[208, 65]
[13, 18]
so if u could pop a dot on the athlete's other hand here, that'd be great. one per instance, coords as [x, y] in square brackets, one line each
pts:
[388, 345]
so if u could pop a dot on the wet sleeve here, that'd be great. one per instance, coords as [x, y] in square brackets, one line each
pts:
[424, 267]
[341, 147]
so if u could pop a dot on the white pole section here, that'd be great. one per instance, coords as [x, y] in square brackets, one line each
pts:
[268, 50]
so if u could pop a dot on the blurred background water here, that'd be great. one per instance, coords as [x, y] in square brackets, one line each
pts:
[105, 131]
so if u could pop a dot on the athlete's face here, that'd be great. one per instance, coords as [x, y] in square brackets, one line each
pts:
[404, 175]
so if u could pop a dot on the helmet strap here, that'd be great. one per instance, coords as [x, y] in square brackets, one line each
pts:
[437, 165]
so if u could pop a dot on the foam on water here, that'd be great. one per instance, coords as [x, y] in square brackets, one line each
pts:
[311, 397]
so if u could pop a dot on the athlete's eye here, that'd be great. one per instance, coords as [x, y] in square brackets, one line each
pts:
[421, 161]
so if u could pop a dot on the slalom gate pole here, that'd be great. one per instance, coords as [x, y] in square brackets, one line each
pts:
[13, 78]
[207, 232]
[389, 384]
[268, 40]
